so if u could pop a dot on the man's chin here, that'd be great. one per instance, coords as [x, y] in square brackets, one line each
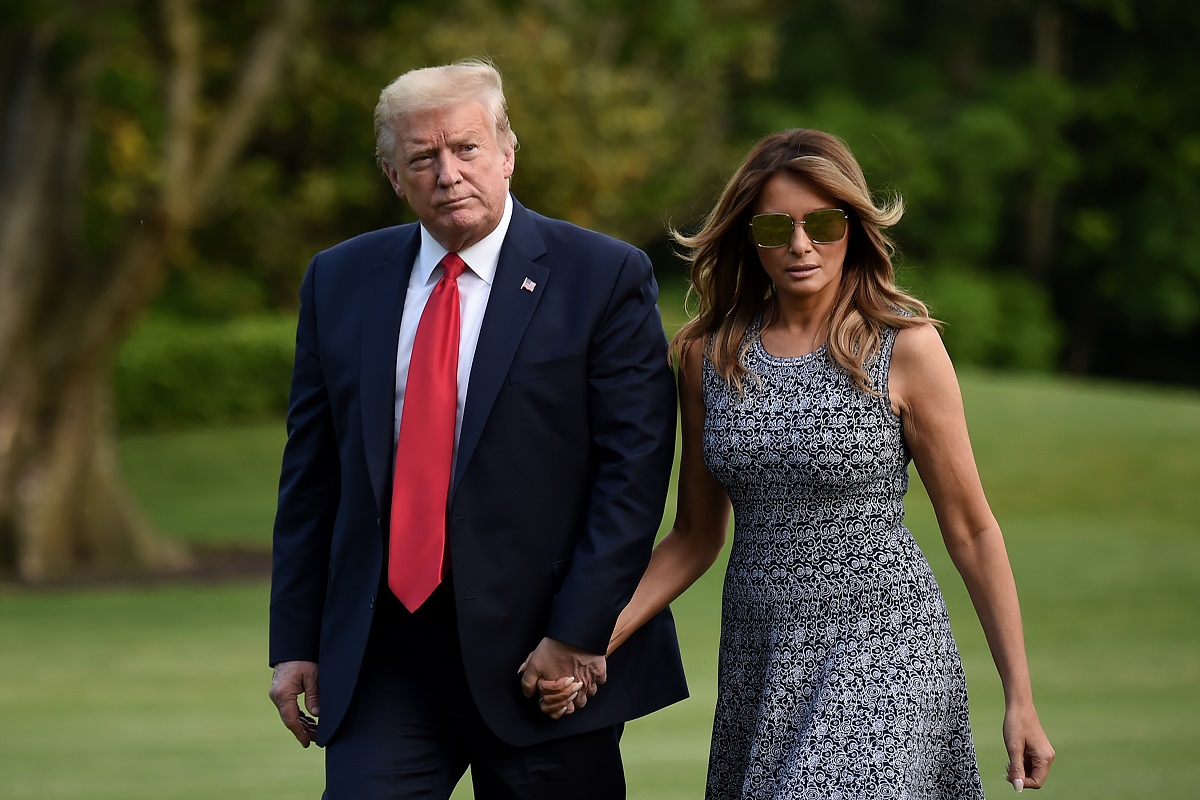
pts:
[459, 230]
[461, 217]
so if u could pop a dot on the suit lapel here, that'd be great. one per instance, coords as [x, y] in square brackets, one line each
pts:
[382, 307]
[509, 309]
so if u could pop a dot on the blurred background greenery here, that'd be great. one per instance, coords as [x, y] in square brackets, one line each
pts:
[168, 167]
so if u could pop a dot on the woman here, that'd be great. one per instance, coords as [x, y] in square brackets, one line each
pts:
[807, 381]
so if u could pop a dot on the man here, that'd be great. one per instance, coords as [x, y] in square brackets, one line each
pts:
[475, 471]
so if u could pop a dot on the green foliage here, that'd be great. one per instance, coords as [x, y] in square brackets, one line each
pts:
[1045, 148]
[173, 373]
[996, 321]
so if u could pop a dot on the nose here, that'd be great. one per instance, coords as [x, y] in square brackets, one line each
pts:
[800, 241]
[448, 173]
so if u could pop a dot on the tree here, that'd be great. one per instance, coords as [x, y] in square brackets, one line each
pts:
[1048, 153]
[80, 260]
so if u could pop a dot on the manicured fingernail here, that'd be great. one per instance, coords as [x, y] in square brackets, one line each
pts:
[572, 697]
[1018, 785]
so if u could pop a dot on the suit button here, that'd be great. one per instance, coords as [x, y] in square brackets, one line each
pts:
[372, 601]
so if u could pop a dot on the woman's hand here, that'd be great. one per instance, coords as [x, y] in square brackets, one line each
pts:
[1029, 752]
[557, 697]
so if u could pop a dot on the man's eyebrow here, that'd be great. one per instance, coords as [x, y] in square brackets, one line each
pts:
[417, 146]
[467, 135]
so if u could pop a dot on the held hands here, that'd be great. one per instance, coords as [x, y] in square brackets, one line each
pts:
[558, 697]
[1029, 751]
[563, 676]
[292, 679]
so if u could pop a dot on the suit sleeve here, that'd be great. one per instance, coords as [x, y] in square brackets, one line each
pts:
[309, 488]
[631, 394]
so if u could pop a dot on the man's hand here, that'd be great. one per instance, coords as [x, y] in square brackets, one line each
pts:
[292, 679]
[568, 670]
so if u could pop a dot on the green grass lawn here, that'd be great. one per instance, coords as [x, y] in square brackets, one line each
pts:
[130, 693]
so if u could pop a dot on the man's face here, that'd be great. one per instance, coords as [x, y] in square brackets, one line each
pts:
[453, 171]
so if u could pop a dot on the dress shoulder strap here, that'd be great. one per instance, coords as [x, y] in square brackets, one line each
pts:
[880, 364]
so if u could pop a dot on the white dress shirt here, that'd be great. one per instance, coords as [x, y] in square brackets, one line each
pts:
[474, 288]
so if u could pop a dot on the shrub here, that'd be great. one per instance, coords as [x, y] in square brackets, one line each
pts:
[995, 321]
[174, 374]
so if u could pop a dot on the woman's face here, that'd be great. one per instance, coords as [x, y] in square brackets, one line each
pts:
[800, 269]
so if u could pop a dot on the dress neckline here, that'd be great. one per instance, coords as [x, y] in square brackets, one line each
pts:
[756, 333]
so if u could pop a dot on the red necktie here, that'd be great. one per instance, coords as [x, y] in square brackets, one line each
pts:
[425, 450]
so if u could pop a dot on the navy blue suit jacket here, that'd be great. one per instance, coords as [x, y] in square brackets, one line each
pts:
[561, 474]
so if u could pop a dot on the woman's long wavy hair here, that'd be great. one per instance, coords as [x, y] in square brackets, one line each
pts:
[732, 288]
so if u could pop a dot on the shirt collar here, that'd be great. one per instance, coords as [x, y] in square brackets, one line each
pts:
[481, 258]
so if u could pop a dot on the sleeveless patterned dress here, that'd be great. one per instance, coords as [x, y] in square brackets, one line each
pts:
[838, 675]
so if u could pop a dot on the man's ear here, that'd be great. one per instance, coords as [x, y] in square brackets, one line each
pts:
[510, 161]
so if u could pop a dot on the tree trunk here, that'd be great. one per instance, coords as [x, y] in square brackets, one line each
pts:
[64, 508]
[1041, 211]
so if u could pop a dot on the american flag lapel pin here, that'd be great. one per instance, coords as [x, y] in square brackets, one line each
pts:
[528, 285]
